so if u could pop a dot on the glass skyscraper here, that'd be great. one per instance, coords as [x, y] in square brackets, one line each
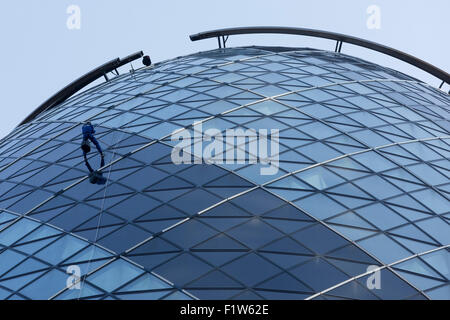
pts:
[362, 182]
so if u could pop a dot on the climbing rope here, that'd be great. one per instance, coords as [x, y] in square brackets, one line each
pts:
[99, 181]
[101, 212]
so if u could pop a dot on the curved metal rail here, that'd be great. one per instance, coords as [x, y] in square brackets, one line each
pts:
[223, 34]
[80, 83]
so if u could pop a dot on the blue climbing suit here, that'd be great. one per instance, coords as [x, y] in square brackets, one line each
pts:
[88, 134]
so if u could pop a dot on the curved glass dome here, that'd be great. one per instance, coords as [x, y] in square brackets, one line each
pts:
[362, 180]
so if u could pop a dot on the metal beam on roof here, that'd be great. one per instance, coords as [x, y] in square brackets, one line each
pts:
[80, 83]
[340, 38]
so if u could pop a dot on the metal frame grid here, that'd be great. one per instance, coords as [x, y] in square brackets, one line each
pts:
[363, 180]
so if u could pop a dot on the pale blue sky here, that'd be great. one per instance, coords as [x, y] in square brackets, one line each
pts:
[39, 55]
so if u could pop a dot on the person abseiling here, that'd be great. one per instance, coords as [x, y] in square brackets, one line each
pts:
[88, 131]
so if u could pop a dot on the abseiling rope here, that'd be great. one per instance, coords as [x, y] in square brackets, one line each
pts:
[101, 212]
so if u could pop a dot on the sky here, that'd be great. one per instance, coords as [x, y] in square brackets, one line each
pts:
[40, 52]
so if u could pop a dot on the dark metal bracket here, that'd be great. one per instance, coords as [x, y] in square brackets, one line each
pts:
[222, 41]
[338, 46]
[340, 38]
[82, 82]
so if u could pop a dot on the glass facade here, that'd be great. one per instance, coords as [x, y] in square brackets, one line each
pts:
[363, 180]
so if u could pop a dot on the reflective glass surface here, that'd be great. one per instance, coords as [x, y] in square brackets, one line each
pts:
[362, 180]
